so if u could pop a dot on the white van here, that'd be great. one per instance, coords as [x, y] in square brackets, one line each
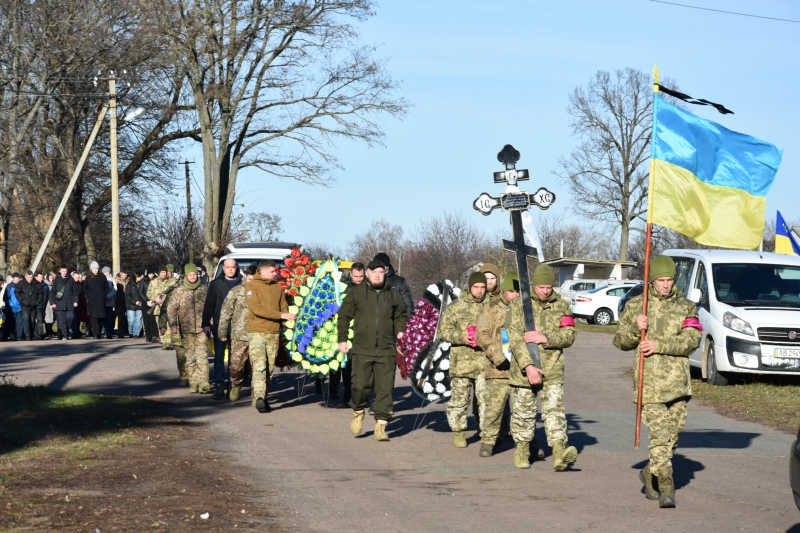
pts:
[251, 253]
[749, 307]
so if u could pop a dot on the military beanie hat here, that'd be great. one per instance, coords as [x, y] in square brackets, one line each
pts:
[188, 269]
[543, 275]
[170, 268]
[511, 282]
[476, 277]
[662, 267]
[491, 269]
[163, 268]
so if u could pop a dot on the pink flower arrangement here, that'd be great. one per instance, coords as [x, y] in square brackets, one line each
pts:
[419, 331]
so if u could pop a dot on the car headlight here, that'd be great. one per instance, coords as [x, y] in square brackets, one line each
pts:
[729, 320]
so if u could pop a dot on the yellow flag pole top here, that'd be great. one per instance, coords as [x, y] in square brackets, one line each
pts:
[655, 78]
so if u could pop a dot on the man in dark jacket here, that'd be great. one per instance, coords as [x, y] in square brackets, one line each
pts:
[64, 300]
[398, 282]
[379, 319]
[41, 307]
[217, 291]
[28, 293]
[96, 287]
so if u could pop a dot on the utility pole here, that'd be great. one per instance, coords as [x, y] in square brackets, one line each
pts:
[190, 220]
[112, 106]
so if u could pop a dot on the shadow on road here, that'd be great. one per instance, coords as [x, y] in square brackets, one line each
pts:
[794, 529]
[683, 469]
[578, 438]
[734, 440]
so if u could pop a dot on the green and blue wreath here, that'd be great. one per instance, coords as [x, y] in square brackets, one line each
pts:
[312, 338]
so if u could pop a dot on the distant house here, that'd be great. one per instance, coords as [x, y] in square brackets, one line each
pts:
[570, 268]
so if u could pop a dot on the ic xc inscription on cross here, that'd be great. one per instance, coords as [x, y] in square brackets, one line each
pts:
[516, 201]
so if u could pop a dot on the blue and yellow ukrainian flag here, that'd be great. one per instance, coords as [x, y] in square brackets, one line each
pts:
[706, 181]
[785, 242]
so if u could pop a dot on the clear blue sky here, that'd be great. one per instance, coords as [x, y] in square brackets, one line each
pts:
[483, 74]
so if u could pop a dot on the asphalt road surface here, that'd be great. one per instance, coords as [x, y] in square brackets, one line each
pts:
[730, 475]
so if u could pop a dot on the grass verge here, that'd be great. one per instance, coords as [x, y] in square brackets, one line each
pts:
[769, 400]
[612, 328]
[71, 461]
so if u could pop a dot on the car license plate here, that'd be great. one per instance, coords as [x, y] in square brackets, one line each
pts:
[783, 352]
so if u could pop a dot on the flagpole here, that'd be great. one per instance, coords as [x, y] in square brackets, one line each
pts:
[646, 291]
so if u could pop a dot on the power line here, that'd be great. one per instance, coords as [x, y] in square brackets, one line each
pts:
[727, 12]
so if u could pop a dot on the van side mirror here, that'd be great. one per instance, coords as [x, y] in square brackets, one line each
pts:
[695, 295]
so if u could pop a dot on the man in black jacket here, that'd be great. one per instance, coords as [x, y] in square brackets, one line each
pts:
[217, 291]
[379, 318]
[29, 292]
[64, 300]
[398, 282]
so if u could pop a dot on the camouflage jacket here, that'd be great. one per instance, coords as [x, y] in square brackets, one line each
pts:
[494, 317]
[233, 316]
[666, 372]
[186, 307]
[465, 361]
[554, 321]
[157, 288]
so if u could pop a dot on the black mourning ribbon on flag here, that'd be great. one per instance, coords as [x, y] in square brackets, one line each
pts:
[697, 101]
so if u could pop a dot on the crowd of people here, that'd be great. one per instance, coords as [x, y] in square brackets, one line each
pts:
[66, 304]
[491, 366]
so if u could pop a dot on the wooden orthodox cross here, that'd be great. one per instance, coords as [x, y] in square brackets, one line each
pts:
[515, 201]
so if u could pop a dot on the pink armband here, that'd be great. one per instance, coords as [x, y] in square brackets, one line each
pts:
[567, 321]
[692, 322]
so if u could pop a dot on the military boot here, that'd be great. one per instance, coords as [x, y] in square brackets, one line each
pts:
[522, 455]
[666, 489]
[234, 394]
[486, 450]
[460, 439]
[193, 388]
[357, 423]
[261, 405]
[380, 431]
[650, 488]
[536, 452]
[204, 387]
[563, 455]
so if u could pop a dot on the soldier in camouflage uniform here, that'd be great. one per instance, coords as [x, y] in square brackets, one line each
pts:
[185, 309]
[555, 330]
[233, 317]
[673, 333]
[466, 359]
[156, 297]
[493, 319]
[267, 310]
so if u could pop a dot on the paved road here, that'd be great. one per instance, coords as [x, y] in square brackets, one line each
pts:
[730, 475]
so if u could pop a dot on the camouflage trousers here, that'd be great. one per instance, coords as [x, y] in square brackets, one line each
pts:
[263, 349]
[459, 402]
[180, 354]
[164, 330]
[523, 411]
[555, 421]
[196, 347]
[665, 422]
[237, 360]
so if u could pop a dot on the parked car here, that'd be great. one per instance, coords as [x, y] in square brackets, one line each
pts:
[600, 305]
[572, 286]
[749, 306]
[252, 253]
[632, 293]
[794, 469]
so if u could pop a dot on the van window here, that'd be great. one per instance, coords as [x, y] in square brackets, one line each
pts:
[702, 283]
[683, 272]
[757, 284]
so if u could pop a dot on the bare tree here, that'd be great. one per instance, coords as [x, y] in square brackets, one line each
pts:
[608, 172]
[264, 227]
[273, 84]
[577, 240]
[379, 237]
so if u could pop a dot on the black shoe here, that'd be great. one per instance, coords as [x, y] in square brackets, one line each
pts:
[261, 405]
[219, 393]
